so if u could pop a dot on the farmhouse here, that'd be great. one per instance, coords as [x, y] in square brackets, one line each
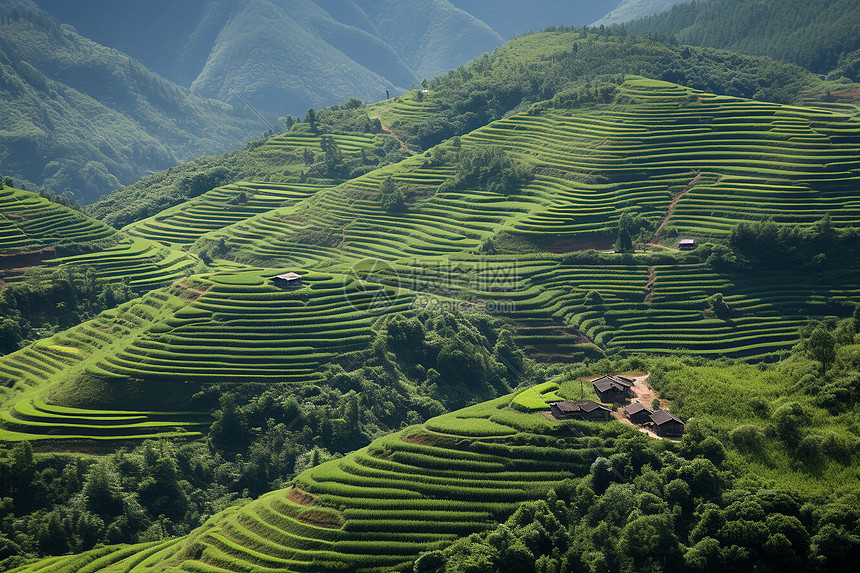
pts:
[687, 244]
[587, 410]
[591, 410]
[287, 280]
[638, 414]
[612, 388]
[564, 410]
[667, 425]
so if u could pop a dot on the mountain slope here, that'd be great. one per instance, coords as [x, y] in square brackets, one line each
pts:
[288, 55]
[82, 119]
[813, 35]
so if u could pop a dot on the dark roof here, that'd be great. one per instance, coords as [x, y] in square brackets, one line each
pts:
[660, 417]
[603, 385]
[287, 276]
[591, 405]
[566, 407]
[635, 408]
[626, 382]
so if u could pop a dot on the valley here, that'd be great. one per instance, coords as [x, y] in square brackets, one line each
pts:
[466, 253]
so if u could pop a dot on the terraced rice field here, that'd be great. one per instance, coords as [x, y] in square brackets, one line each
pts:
[140, 263]
[224, 327]
[378, 508]
[67, 357]
[720, 160]
[243, 329]
[346, 143]
[28, 221]
[218, 208]
[723, 159]
[408, 107]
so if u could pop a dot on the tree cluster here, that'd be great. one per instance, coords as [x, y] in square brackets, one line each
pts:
[815, 36]
[487, 168]
[648, 509]
[48, 301]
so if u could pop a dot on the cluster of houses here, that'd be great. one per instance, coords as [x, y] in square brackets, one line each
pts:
[618, 389]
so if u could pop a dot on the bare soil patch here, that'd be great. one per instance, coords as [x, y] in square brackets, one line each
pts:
[320, 519]
[300, 497]
[403, 146]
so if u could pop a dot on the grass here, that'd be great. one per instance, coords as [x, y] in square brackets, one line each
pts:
[378, 508]
[748, 160]
[30, 222]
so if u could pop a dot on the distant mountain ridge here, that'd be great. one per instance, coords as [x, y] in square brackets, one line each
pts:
[95, 94]
[288, 55]
[76, 116]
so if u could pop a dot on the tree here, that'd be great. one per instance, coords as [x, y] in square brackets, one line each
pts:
[856, 319]
[624, 243]
[390, 196]
[822, 347]
[311, 119]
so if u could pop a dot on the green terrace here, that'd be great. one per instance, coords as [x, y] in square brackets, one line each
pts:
[28, 221]
[65, 361]
[243, 329]
[345, 142]
[377, 508]
[224, 327]
[218, 208]
[407, 108]
[140, 263]
[722, 159]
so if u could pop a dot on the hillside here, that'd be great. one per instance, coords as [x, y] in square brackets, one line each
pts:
[565, 494]
[317, 353]
[508, 80]
[663, 160]
[82, 119]
[288, 55]
[820, 36]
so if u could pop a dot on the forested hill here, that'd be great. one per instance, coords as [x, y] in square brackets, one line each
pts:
[819, 36]
[289, 55]
[81, 118]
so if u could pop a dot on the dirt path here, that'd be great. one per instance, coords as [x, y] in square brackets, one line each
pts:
[655, 240]
[403, 146]
[645, 395]
[652, 276]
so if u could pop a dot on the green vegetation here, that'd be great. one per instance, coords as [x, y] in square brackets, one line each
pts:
[29, 222]
[818, 37]
[576, 62]
[439, 280]
[763, 477]
[44, 302]
[536, 398]
[296, 158]
[81, 119]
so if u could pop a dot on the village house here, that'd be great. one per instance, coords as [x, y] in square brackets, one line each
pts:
[613, 388]
[564, 410]
[638, 413]
[588, 410]
[687, 244]
[667, 425]
[593, 411]
[287, 280]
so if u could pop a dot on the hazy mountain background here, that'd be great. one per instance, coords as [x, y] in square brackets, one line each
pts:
[288, 55]
[97, 93]
[80, 118]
